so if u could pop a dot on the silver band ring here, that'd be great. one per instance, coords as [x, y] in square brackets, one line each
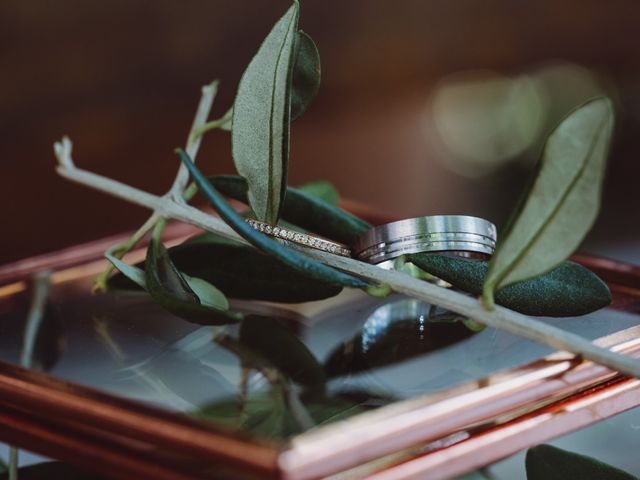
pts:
[439, 233]
[300, 238]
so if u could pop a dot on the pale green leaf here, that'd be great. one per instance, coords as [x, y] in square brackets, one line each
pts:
[135, 274]
[562, 202]
[261, 118]
[209, 295]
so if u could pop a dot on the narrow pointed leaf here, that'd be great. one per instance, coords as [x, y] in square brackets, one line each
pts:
[306, 75]
[242, 271]
[239, 271]
[262, 117]
[546, 462]
[563, 201]
[566, 291]
[302, 209]
[133, 273]
[265, 244]
[170, 289]
[207, 293]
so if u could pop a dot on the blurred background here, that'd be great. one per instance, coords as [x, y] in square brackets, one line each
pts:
[426, 107]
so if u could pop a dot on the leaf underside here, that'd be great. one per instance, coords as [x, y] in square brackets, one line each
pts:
[261, 118]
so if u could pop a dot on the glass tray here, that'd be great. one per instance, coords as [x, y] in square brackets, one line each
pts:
[132, 391]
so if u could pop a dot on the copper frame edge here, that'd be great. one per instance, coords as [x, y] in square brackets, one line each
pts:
[487, 447]
[405, 424]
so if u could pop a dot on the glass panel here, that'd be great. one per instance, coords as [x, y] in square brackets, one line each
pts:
[265, 380]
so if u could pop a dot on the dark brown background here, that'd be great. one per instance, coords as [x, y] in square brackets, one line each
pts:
[122, 79]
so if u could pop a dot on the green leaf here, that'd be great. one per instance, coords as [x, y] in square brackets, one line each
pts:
[170, 289]
[306, 75]
[563, 201]
[322, 190]
[302, 209]
[241, 271]
[135, 274]
[546, 462]
[207, 293]
[278, 344]
[566, 291]
[265, 244]
[262, 117]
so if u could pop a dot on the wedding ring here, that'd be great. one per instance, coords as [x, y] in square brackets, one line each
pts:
[458, 234]
[300, 238]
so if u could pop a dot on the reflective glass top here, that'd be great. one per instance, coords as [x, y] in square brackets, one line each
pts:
[286, 369]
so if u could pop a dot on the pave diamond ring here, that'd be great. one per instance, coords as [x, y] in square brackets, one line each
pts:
[300, 238]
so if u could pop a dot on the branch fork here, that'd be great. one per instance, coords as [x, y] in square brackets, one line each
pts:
[173, 205]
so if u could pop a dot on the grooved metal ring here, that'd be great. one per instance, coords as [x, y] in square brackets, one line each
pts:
[439, 233]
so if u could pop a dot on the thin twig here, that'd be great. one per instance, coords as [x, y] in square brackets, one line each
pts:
[500, 318]
[193, 140]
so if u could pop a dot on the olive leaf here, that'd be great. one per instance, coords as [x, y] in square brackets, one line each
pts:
[305, 82]
[170, 289]
[288, 256]
[204, 291]
[567, 290]
[546, 462]
[302, 209]
[561, 204]
[133, 273]
[240, 271]
[278, 344]
[322, 190]
[262, 117]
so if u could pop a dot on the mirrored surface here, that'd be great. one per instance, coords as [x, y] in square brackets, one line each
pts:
[286, 369]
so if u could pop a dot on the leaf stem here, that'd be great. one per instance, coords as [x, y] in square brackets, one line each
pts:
[212, 125]
[500, 317]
